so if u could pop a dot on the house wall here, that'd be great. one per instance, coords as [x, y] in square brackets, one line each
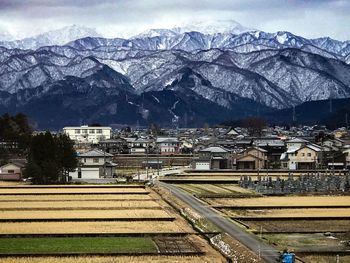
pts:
[304, 155]
[304, 158]
[86, 173]
[10, 177]
[93, 161]
[10, 169]
[257, 153]
[204, 166]
[248, 165]
[169, 148]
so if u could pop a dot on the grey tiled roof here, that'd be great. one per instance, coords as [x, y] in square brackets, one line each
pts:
[95, 153]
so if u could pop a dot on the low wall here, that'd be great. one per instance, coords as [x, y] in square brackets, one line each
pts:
[10, 177]
[137, 160]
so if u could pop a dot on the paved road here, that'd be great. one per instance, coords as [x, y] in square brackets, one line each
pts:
[153, 174]
[268, 253]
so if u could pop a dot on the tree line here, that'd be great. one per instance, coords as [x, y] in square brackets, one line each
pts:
[50, 158]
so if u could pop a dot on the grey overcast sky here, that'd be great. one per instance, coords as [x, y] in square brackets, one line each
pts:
[308, 18]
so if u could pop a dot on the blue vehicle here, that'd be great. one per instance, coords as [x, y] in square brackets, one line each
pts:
[288, 257]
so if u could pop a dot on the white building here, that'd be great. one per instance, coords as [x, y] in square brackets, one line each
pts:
[94, 164]
[86, 134]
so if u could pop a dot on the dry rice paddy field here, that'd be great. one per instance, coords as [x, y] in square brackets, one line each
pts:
[89, 223]
[214, 190]
[53, 197]
[318, 213]
[312, 226]
[282, 201]
[78, 204]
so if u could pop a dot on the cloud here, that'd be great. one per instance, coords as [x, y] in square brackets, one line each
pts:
[310, 18]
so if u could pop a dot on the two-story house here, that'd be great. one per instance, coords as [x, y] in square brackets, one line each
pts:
[94, 164]
[213, 158]
[305, 157]
[252, 158]
[140, 146]
[168, 145]
[114, 146]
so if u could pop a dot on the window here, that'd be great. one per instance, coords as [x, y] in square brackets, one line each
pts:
[11, 171]
[303, 154]
[92, 131]
[95, 160]
[309, 154]
[84, 131]
[77, 131]
[99, 131]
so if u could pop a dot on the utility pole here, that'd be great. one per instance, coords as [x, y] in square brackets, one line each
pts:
[346, 121]
[146, 163]
[294, 119]
[259, 248]
[104, 155]
[157, 154]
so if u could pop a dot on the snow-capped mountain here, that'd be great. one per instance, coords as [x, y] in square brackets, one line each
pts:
[274, 78]
[54, 37]
[166, 39]
[210, 27]
[206, 27]
[169, 74]
[5, 36]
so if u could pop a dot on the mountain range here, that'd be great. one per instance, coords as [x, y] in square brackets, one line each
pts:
[175, 76]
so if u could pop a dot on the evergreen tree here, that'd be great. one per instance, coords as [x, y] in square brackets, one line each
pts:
[66, 156]
[34, 171]
[15, 129]
[50, 158]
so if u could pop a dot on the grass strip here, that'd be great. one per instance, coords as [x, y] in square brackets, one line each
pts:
[77, 245]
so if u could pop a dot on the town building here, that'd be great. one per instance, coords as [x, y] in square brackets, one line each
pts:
[88, 134]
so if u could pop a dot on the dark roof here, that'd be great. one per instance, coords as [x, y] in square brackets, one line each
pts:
[95, 153]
